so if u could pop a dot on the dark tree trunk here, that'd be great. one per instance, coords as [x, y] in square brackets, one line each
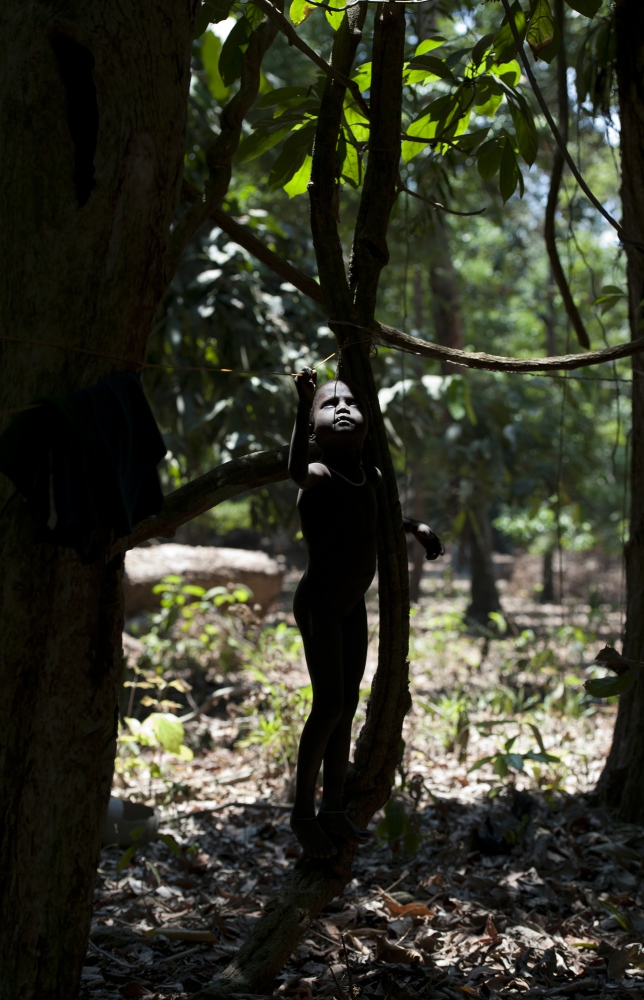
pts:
[93, 139]
[448, 326]
[484, 596]
[621, 784]
[547, 594]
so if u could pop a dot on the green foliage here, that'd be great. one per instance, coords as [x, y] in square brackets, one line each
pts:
[277, 725]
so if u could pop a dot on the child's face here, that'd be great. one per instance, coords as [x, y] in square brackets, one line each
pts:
[338, 418]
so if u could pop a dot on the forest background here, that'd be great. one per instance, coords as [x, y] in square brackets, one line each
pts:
[536, 459]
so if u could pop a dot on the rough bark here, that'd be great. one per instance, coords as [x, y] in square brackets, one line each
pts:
[92, 157]
[621, 785]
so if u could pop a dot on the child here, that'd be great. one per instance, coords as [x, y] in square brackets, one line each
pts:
[338, 508]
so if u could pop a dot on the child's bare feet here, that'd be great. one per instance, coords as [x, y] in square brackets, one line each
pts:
[312, 837]
[338, 824]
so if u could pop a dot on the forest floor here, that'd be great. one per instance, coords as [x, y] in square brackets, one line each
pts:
[502, 881]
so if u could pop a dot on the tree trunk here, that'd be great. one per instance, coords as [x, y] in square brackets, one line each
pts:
[547, 594]
[92, 159]
[448, 326]
[621, 785]
[485, 596]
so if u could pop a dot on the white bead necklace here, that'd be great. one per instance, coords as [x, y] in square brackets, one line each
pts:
[350, 481]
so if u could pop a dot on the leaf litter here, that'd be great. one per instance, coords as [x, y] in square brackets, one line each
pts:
[502, 881]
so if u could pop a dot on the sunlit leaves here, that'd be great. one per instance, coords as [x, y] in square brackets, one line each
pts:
[488, 97]
[259, 142]
[503, 44]
[210, 53]
[300, 179]
[445, 118]
[300, 10]
[424, 68]
[356, 121]
[363, 77]
[334, 17]
[541, 30]
[292, 156]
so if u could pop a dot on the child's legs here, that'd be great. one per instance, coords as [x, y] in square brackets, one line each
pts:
[354, 656]
[321, 629]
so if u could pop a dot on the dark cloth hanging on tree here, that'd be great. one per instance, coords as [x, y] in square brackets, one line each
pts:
[86, 462]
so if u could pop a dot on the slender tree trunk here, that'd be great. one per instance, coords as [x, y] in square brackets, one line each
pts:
[547, 594]
[621, 784]
[448, 326]
[92, 156]
[484, 596]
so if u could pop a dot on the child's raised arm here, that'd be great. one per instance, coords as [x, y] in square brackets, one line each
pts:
[298, 458]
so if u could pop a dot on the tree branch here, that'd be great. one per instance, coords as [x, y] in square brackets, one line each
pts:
[220, 152]
[222, 483]
[369, 253]
[493, 363]
[324, 184]
[332, 71]
[414, 345]
[245, 237]
[555, 183]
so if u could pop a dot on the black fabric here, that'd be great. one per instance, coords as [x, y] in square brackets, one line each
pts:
[87, 462]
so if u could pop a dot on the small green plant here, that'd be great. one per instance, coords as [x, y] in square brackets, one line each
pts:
[278, 715]
[160, 732]
[507, 762]
[452, 711]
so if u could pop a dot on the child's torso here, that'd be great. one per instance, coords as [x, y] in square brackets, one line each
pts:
[339, 526]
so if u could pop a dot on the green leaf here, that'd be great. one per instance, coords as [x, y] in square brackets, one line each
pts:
[586, 7]
[334, 17]
[358, 124]
[503, 44]
[257, 143]
[300, 179]
[232, 52]
[349, 162]
[508, 171]
[167, 729]
[610, 296]
[606, 687]
[427, 68]
[300, 10]
[281, 95]
[294, 151]
[363, 77]
[428, 45]
[488, 96]
[481, 49]
[489, 158]
[509, 72]
[541, 30]
[525, 130]
[126, 857]
[514, 760]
